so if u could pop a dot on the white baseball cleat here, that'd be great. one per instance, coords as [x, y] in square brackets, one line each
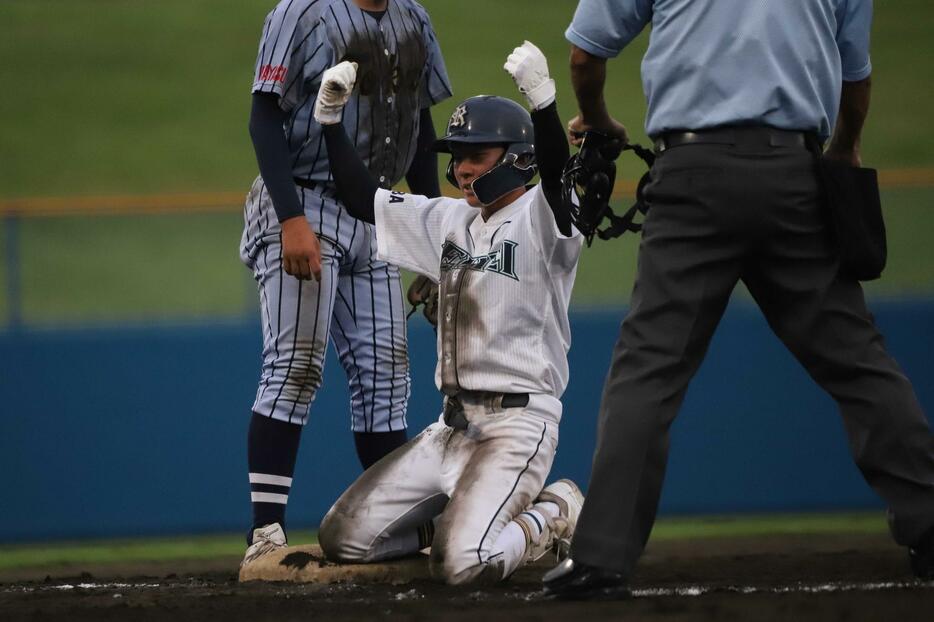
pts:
[265, 540]
[558, 530]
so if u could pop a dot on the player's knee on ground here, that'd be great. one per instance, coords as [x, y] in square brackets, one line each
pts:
[335, 536]
[457, 564]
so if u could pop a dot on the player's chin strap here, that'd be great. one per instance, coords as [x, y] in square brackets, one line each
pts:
[587, 184]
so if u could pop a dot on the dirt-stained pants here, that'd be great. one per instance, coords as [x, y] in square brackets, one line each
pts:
[477, 479]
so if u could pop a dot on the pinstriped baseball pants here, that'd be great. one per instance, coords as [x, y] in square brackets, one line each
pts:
[357, 304]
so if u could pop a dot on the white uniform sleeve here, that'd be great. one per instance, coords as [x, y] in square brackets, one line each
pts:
[558, 250]
[410, 230]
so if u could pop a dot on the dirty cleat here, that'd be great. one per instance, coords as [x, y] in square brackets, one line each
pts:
[557, 531]
[265, 540]
[568, 497]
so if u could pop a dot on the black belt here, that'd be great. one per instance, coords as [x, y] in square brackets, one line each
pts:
[454, 411]
[752, 136]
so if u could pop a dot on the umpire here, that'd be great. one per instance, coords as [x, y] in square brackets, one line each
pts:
[740, 96]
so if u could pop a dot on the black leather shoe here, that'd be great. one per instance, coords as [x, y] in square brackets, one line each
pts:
[572, 580]
[921, 557]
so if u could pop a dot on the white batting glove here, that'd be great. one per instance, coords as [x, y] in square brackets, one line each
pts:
[336, 85]
[529, 68]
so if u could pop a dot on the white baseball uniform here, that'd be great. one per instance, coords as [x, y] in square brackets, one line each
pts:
[503, 330]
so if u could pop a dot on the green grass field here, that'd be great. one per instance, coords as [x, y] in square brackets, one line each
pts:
[204, 547]
[119, 97]
[112, 96]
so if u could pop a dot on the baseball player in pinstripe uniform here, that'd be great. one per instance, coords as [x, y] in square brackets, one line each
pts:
[316, 267]
[506, 258]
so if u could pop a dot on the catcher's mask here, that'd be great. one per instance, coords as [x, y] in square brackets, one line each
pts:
[587, 183]
[488, 119]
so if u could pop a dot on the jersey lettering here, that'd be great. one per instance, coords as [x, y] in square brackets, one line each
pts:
[273, 73]
[396, 197]
[501, 260]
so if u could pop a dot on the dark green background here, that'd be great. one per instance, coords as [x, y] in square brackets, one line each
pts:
[151, 96]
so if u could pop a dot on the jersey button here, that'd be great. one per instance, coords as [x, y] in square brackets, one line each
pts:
[382, 178]
[388, 140]
[389, 100]
[386, 52]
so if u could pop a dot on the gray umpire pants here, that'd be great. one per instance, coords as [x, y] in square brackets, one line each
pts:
[720, 214]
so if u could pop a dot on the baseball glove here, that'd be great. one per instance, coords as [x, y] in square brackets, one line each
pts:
[424, 292]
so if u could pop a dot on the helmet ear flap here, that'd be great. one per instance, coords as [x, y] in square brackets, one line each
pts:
[450, 174]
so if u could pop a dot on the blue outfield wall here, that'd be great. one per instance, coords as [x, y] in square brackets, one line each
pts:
[130, 431]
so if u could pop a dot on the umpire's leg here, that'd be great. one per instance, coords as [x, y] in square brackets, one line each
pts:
[689, 261]
[822, 318]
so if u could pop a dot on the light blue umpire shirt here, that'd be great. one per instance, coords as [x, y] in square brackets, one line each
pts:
[730, 62]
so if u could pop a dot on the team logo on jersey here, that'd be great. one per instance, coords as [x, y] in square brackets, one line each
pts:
[501, 260]
[458, 117]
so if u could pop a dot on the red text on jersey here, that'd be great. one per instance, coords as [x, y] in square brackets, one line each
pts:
[275, 73]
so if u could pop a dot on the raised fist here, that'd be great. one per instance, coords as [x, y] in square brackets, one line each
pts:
[529, 69]
[336, 86]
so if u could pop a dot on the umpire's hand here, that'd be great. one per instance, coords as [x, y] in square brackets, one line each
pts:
[608, 125]
[301, 253]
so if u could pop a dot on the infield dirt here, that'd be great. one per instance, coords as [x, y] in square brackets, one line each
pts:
[853, 577]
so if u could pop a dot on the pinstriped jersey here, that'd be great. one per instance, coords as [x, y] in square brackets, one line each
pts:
[505, 287]
[400, 71]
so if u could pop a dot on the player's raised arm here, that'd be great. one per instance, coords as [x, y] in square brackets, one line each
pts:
[529, 68]
[422, 175]
[355, 185]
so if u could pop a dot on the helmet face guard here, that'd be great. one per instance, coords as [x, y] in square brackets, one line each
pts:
[506, 176]
[514, 170]
[485, 120]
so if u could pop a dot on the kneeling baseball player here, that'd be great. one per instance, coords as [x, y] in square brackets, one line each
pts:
[506, 257]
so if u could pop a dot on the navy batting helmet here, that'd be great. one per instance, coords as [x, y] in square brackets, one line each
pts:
[488, 119]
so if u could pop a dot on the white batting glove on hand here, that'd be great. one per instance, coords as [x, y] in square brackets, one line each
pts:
[529, 68]
[336, 85]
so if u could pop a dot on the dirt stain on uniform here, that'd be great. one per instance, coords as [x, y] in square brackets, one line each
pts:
[390, 82]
